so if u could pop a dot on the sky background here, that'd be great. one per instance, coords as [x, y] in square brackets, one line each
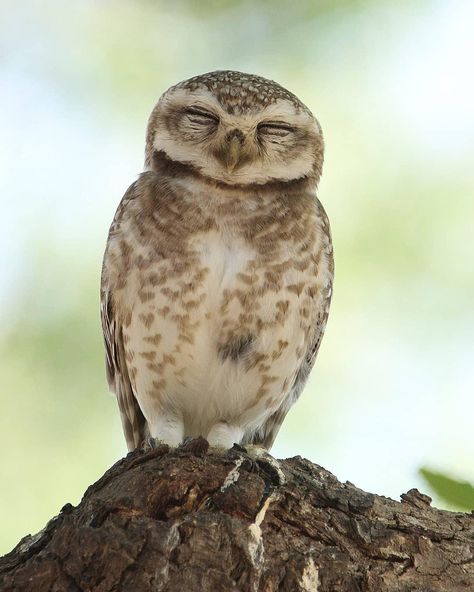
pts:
[392, 86]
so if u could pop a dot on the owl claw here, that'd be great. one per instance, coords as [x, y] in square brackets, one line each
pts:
[261, 460]
[239, 448]
[197, 446]
[152, 443]
[267, 463]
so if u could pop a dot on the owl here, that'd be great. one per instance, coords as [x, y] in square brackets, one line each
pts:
[218, 270]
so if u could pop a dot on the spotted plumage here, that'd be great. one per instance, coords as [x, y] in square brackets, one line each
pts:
[217, 275]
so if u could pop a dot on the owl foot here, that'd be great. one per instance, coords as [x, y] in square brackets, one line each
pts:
[198, 446]
[152, 443]
[263, 461]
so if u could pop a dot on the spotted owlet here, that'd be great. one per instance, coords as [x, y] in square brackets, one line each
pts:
[217, 274]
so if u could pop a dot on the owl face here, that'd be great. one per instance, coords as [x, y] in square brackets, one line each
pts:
[236, 129]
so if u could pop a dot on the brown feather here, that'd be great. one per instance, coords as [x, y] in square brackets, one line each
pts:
[133, 421]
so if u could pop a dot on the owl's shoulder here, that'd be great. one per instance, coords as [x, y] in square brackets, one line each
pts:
[144, 196]
[143, 190]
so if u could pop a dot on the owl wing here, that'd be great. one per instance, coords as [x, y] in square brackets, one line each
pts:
[133, 422]
[266, 435]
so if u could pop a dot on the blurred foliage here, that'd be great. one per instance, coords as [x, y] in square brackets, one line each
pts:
[54, 394]
[458, 494]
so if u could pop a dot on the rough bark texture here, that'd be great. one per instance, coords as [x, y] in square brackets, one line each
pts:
[190, 520]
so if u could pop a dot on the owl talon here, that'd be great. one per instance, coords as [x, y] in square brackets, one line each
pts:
[152, 443]
[198, 446]
[267, 463]
[239, 448]
[260, 460]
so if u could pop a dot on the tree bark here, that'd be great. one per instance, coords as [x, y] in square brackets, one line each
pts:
[192, 520]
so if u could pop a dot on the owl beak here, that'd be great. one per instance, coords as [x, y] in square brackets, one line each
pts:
[233, 152]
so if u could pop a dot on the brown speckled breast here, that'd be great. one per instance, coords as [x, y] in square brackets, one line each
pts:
[221, 296]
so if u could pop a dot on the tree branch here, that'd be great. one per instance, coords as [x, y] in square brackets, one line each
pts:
[189, 520]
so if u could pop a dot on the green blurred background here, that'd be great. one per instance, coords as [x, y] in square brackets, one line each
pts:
[390, 82]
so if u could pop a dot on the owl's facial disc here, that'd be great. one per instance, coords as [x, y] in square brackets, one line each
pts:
[279, 141]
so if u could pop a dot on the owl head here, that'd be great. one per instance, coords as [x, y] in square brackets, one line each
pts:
[237, 129]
